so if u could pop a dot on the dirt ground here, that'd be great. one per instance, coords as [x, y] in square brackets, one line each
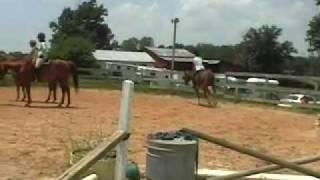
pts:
[34, 141]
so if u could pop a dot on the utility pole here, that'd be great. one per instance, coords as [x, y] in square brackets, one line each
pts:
[175, 22]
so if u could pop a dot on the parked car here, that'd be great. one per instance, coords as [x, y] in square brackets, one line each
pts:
[299, 99]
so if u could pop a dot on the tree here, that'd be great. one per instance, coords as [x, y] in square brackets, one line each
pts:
[88, 21]
[115, 45]
[269, 54]
[77, 33]
[146, 42]
[313, 34]
[131, 44]
[3, 55]
[16, 54]
[75, 48]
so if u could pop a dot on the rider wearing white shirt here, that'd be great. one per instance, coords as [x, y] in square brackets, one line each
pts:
[43, 51]
[197, 62]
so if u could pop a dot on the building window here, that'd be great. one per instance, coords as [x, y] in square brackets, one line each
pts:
[153, 74]
[118, 74]
[128, 68]
[118, 67]
[167, 76]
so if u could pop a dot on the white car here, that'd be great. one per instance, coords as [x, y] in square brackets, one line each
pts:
[299, 99]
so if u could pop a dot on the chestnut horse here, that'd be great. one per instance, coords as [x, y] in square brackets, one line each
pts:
[57, 72]
[202, 80]
[14, 66]
[23, 76]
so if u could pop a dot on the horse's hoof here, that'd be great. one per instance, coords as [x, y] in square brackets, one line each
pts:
[59, 105]
[27, 105]
[68, 106]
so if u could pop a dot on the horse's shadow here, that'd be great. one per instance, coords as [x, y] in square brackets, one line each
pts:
[204, 105]
[39, 107]
[36, 101]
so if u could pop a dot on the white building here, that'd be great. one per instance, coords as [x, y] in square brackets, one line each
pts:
[129, 65]
[123, 57]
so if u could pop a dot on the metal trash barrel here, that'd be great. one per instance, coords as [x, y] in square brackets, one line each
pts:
[172, 158]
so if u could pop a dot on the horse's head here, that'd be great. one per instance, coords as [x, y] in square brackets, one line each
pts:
[187, 77]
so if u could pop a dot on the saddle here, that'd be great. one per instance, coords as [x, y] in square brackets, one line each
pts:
[44, 66]
[197, 72]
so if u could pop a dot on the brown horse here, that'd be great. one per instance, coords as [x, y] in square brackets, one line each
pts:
[57, 72]
[202, 80]
[23, 76]
[14, 66]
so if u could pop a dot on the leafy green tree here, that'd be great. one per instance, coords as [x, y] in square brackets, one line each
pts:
[74, 48]
[269, 54]
[88, 21]
[146, 42]
[131, 44]
[115, 44]
[78, 32]
[313, 34]
[3, 55]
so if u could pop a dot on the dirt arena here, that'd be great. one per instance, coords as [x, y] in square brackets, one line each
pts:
[34, 141]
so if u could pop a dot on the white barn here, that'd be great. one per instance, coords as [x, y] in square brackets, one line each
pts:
[129, 65]
[123, 57]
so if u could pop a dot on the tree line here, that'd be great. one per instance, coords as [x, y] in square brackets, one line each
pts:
[78, 32]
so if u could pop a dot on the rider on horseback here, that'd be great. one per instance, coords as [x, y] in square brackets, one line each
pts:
[43, 51]
[34, 51]
[39, 55]
[197, 63]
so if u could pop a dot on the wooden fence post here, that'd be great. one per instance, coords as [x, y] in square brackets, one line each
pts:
[124, 125]
[254, 153]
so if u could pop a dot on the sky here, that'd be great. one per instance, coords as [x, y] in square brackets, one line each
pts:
[220, 22]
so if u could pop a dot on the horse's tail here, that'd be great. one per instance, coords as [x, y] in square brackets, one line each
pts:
[75, 77]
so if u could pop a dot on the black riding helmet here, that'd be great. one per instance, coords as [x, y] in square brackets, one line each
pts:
[41, 37]
[33, 43]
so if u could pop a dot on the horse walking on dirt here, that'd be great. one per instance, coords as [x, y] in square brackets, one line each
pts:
[56, 72]
[202, 81]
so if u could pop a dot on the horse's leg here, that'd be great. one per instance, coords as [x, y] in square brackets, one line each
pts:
[54, 89]
[49, 94]
[68, 95]
[28, 96]
[18, 92]
[209, 95]
[197, 93]
[24, 93]
[214, 95]
[63, 91]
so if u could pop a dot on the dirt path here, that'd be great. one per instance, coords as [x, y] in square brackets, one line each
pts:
[34, 141]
